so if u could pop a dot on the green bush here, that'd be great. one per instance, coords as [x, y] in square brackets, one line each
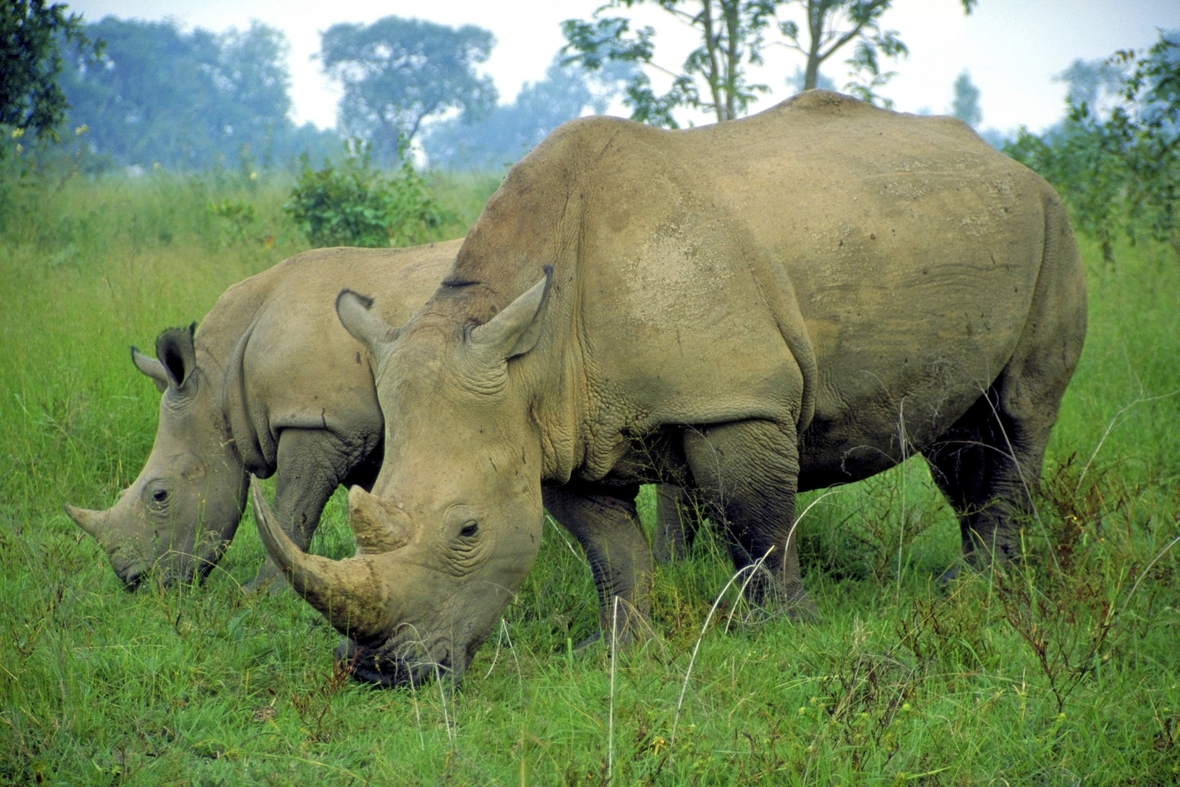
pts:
[356, 205]
[1119, 174]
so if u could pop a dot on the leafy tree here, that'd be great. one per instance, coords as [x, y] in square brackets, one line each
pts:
[966, 103]
[734, 35]
[1092, 82]
[30, 61]
[397, 73]
[1120, 174]
[503, 134]
[832, 24]
[712, 79]
[190, 100]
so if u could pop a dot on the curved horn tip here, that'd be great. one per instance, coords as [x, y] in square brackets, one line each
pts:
[352, 606]
[90, 521]
[276, 540]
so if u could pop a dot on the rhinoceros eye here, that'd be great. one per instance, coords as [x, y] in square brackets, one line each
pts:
[160, 495]
[462, 526]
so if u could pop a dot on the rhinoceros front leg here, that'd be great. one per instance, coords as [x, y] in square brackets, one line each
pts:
[678, 517]
[306, 477]
[606, 524]
[748, 472]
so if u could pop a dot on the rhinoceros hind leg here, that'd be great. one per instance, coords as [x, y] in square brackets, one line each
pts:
[989, 462]
[606, 524]
[748, 471]
[985, 464]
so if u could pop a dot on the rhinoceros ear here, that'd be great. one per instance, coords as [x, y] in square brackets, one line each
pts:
[356, 315]
[178, 356]
[151, 367]
[516, 330]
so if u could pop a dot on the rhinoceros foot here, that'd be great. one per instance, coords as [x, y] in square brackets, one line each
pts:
[765, 599]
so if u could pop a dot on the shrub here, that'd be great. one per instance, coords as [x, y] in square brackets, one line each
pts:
[1119, 174]
[356, 205]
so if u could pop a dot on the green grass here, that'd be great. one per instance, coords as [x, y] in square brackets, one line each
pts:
[1046, 675]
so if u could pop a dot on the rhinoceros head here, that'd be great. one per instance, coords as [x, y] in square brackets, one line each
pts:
[453, 524]
[180, 513]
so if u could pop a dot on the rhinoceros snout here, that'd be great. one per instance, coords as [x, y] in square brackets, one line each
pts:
[130, 569]
[128, 564]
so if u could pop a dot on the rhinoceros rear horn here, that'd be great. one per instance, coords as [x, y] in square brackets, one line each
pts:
[93, 522]
[379, 525]
[515, 330]
[367, 327]
[346, 592]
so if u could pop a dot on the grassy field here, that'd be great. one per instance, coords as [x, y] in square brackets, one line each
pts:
[1065, 671]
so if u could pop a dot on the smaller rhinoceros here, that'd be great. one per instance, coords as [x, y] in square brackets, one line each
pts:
[270, 384]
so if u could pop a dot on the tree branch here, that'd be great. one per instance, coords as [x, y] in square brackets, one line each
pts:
[711, 49]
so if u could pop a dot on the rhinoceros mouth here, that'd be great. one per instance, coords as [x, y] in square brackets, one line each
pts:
[133, 570]
[380, 667]
[129, 568]
[131, 578]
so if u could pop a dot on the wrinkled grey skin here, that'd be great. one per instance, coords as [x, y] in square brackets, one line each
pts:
[802, 298]
[270, 384]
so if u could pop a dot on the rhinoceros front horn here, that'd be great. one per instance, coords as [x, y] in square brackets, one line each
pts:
[346, 592]
[93, 522]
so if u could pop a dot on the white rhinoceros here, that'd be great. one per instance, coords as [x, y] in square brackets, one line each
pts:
[799, 299]
[271, 383]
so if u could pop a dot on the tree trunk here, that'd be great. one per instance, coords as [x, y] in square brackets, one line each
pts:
[815, 28]
[732, 57]
[714, 75]
[811, 75]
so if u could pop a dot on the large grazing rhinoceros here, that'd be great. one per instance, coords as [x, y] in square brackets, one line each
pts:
[271, 383]
[799, 299]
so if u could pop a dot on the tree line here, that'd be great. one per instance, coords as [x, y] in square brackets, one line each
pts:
[140, 94]
[148, 93]
[145, 94]
[157, 96]
[1115, 158]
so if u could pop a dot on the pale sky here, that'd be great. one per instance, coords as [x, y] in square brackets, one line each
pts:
[1012, 48]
